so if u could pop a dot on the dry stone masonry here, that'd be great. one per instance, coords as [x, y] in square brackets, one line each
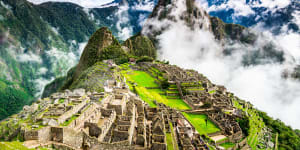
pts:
[118, 119]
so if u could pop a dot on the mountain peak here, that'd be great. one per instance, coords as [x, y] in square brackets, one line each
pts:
[101, 39]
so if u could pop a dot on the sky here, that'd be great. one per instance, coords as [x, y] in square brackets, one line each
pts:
[83, 3]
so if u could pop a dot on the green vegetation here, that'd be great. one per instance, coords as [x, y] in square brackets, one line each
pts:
[144, 59]
[12, 100]
[91, 79]
[198, 121]
[287, 138]
[171, 141]
[144, 80]
[61, 101]
[13, 146]
[227, 145]
[66, 123]
[254, 125]
[212, 92]
[141, 46]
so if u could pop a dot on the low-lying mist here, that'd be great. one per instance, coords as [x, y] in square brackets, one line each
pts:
[262, 84]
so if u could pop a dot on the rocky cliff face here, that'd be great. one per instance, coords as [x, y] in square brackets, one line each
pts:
[169, 11]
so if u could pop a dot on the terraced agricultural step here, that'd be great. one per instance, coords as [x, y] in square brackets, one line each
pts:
[173, 89]
[173, 97]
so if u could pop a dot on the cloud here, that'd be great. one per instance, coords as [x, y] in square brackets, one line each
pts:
[123, 25]
[240, 7]
[271, 4]
[29, 57]
[146, 5]
[61, 61]
[296, 16]
[261, 84]
[39, 84]
[83, 3]
[234, 10]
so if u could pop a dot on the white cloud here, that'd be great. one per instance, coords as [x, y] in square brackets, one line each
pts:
[241, 8]
[261, 84]
[271, 4]
[42, 71]
[296, 19]
[40, 84]
[61, 61]
[146, 5]
[83, 3]
[123, 25]
[29, 57]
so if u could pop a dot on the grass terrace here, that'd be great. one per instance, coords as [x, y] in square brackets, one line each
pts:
[143, 81]
[171, 142]
[256, 125]
[198, 121]
[66, 123]
[227, 145]
[13, 146]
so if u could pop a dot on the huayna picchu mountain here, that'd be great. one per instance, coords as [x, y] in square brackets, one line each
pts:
[120, 96]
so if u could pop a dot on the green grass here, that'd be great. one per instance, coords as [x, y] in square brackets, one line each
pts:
[169, 141]
[13, 146]
[144, 80]
[62, 100]
[227, 145]
[212, 92]
[222, 139]
[256, 126]
[196, 89]
[198, 121]
[66, 123]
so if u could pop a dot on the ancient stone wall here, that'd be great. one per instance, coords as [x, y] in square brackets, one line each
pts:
[111, 114]
[31, 135]
[71, 112]
[72, 138]
[91, 114]
[44, 134]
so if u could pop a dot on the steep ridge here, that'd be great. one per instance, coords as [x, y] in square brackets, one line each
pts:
[175, 13]
[140, 45]
[194, 17]
[94, 50]
[42, 42]
[102, 46]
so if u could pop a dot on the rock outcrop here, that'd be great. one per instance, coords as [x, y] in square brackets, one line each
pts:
[140, 45]
[100, 40]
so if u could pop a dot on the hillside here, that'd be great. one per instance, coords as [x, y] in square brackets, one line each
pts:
[207, 113]
[42, 42]
[216, 117]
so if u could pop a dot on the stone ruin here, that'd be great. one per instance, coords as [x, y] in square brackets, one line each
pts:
[121, 120]
[203, 97]
[118, 119]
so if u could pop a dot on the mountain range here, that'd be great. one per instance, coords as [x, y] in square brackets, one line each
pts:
[42, 42]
